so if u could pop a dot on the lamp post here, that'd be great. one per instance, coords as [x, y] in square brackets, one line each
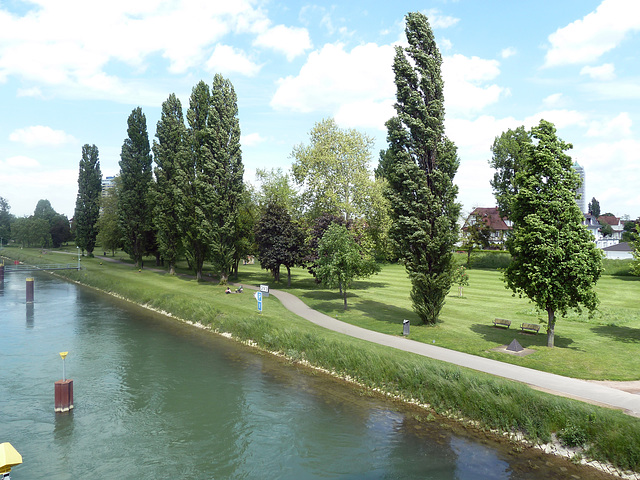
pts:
[78, 248]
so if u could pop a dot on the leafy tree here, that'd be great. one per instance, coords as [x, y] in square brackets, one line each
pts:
[60, 230]
[245, 226]
[226, 175]
[419, 165]
[212, 178]
[341, 260]
[170, 152]
[334, 171]
[193, 180]
[88, 199]
[31, 232]
[109, 233]
[45, 211]
[635, 267]
[276, 187]
[606, 229]
[509, 153]
[477, 235]
[594, 207]
[461, 278]
[279, 240]
[134, 200]
[555, 261]
[628, 232]
[5, 221]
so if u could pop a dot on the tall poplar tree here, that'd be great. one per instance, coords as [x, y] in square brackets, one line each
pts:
[170, 153]
[212, 177]
[555, 260]
[134, 201]
[419, 166]
[226, 175]
[88, 199]
[193, 180]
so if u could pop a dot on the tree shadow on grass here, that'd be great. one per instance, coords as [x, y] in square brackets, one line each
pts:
[619, 334]
[504, 336]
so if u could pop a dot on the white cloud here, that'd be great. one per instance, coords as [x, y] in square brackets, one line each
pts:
[226, 59]
[252, 139]
[291, 41]
[30, 92]
[585, 40]
[508, 52]
[619, 126]
[38, 136]
[553, 100]
[445, 44]
[603, 72]
[365, 114]
[561, 118]
[19, 162]
[338, 81]
[465, 85]
[437, 20]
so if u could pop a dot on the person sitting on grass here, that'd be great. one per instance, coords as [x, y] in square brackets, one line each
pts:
[239, 289]
[228, 290]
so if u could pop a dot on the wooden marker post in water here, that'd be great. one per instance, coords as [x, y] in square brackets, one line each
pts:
[29, 290]
[64, 390]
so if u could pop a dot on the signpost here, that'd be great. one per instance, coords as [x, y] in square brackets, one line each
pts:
[258, 296]
[264, 289]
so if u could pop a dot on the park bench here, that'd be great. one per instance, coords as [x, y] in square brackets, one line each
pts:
[530, 327]
[500, 322]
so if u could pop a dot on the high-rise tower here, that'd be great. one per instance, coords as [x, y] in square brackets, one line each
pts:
[581, 192]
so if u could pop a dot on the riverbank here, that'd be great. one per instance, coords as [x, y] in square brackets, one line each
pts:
[481, 401]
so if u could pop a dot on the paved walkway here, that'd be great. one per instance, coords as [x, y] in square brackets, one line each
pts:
[549, 382]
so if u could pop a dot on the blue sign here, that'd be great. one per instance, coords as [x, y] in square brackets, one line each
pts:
[259, 298]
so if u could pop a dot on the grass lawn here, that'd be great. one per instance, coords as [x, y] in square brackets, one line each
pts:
[603, 347]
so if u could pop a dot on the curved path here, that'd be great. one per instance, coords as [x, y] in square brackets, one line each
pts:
[568, 387]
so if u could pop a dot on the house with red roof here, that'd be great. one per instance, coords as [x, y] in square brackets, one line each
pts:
[499, 226]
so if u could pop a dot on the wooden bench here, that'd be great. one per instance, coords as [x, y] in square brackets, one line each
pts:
[530, 327]
[500, 322]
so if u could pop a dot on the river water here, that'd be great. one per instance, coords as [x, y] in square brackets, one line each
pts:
[158, 399]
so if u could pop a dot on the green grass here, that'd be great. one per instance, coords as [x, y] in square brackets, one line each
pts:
[382, 302]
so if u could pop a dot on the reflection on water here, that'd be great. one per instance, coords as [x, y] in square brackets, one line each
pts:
[157, 399]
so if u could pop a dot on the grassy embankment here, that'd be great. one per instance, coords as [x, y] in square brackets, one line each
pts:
[608, 435]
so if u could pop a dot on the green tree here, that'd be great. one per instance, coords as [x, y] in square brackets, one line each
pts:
[341, 260]
[276, 187]
[419, 166]
[594, 207]
[476, 234]
[109, 233]
[555, 261]
[88, 199]
[635, 267]
[279, 240]
[170, 152]
[134, 199]
[5, 221]
[509, 152]
[31, 232]
[60, 230]
[629, 231]
[226, 175]
[461, 278]
[333, 171]
[245, 227]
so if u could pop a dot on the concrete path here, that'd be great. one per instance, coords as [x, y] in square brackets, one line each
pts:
[549, 382]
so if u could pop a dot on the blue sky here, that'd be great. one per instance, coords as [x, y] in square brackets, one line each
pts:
[71, 71]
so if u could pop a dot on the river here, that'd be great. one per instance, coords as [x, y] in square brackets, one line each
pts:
[155, 398]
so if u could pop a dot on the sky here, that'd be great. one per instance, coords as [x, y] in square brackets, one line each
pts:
[71, 72]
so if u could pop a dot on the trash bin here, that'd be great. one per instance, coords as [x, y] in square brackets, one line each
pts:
[405, 327]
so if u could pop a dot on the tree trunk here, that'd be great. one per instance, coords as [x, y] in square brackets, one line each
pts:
[551, 325]
[288, 277]
[172, 269]
[469, 257]
[344, 295]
